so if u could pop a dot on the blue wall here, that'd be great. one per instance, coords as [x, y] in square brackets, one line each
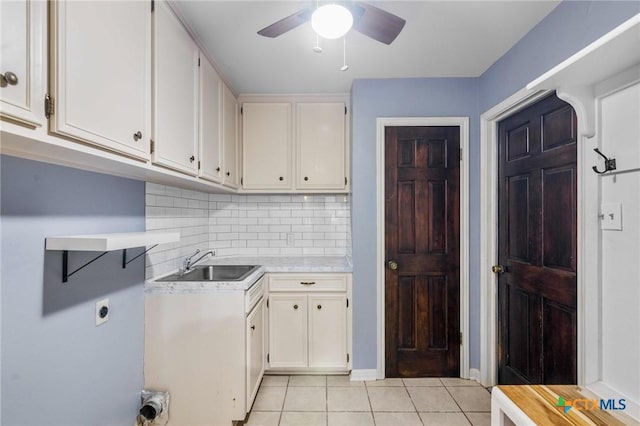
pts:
[567, 29]
[570, 27]
[58, 368]
[434, 97]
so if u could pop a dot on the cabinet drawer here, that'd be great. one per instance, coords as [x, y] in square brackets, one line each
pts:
[307, 282]
[254, 294]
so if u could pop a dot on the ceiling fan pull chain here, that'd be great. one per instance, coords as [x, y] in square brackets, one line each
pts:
[317, 47]
[344, 54]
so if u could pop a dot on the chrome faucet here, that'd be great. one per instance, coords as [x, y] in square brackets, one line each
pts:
[187, 264]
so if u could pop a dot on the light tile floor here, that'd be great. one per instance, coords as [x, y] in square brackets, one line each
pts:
[337, 401]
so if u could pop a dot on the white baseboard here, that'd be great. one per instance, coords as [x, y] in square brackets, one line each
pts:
[604, 391]
[474, 374]
[364, 374]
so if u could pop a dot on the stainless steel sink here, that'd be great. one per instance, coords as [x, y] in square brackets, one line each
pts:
[213, 273]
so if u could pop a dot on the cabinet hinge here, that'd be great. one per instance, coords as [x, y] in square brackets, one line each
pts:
[345, 180]
[49, 106]
[347, 358]
[153, 146]
[241, 110]
[267, 303]
[198, 61]
[153, 5]
[345, 110]
[198, 164]
[241, 181]
[461, 338]
[347, 303]
[267, 357]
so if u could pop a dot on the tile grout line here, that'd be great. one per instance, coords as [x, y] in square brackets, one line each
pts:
[412, 402]
[366, 389]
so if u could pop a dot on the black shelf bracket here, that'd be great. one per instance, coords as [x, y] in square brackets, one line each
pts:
[125, 262]
[65, 265]
[65, 262]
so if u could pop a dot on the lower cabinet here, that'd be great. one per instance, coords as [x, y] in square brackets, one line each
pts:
[309, 323]
[255, 351]
[207, 349]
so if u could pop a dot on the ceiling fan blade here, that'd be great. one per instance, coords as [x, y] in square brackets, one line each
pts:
[286, 24]
[378, 24]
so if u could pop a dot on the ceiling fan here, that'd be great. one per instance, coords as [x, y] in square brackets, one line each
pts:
[367, 19]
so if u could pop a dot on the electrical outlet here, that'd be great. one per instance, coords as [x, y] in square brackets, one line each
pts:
[611, 216]
[102, 311]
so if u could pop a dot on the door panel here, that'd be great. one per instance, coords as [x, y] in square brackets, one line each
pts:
[287, 330]
[537, 245]
[328, 331]
[422, 235]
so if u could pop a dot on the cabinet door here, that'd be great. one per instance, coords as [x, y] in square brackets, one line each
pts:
[22, 33]
[230, 137]
[321, 149]
[328, 331]
[255, 351]
[176, 93]
[266, 145]
[287, 330]
[100, 73]
[210, 118]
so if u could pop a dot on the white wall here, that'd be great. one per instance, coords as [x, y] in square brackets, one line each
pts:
[620, 292]
[245, 225]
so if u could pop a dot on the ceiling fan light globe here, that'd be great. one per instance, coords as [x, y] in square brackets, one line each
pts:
[331, 21]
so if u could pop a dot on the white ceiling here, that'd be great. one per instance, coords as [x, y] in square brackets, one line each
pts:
[440, 39]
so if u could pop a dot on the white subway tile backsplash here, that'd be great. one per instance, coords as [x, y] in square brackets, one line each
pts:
[246, 225]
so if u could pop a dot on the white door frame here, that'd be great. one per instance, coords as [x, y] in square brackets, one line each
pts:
[463, 123]
[587, 265]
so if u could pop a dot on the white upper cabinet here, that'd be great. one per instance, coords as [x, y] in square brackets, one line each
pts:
[321, 148]
[229, 137]
[175, 67]
[22, 31]
[101, 73]
[210, 122]
[266, 148]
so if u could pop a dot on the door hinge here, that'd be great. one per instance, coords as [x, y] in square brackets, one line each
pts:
[347, 358]
[347, 303]
[461, 338]
[153, 5]
[460, 155]
[153, 146]
[49, 106]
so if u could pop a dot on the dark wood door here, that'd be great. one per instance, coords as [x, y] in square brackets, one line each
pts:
[537, 334]
[422, 234]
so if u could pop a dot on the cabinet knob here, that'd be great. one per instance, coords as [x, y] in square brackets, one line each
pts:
[137, 136]
[228, 173]
[8, 78]
[295, 307]
[306, 178]
[217, 169]
[319, 307]
[253, 327]
[192, 159]
[281, 178]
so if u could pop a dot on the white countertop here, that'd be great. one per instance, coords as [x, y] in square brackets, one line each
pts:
[280, 264]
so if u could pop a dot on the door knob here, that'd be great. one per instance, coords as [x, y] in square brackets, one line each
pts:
[392, 264]
[498, 269]
[8, 78]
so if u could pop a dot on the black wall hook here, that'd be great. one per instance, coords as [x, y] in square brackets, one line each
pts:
[609, 163]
